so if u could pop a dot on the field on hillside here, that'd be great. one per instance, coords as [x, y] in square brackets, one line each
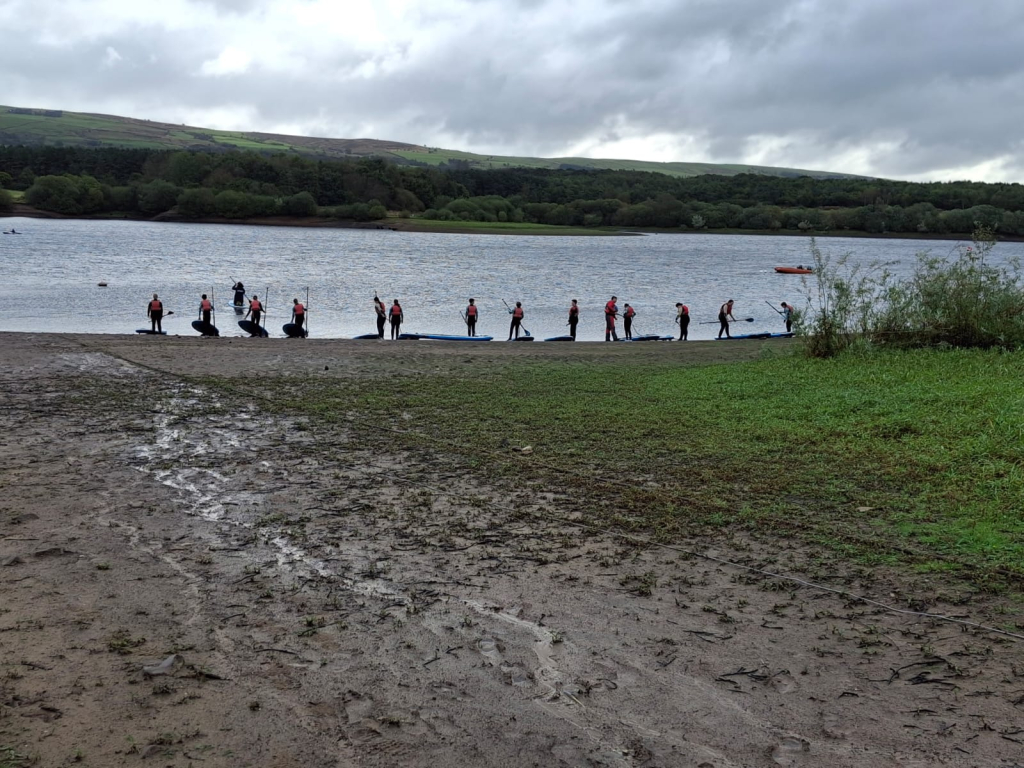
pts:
[19, 126]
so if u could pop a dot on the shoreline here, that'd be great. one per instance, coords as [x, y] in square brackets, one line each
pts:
[483, 228]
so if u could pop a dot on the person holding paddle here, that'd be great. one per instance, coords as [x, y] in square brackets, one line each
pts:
[155, 310]
[724, 316]
[683, 320]
[396, 319]
[239, 290]
[205, 310]
[298, 312]
[517, 320]
[787, 315]
[382, 315]
[627, 321]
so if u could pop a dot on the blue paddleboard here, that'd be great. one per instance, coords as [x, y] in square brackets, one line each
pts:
[442, 337]
[207, 329]
[252, 329]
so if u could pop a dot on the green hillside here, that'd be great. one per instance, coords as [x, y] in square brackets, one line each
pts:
[19, 125]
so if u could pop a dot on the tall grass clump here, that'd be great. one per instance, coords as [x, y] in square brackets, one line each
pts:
[961, 300]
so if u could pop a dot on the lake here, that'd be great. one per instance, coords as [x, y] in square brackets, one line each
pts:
[50, 276]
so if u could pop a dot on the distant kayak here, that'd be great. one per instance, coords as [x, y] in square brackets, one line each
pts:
[441, 337]
[795, 270]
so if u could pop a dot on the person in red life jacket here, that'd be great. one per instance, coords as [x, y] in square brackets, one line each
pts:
[205, 309]
[382, 315]
[787, 315]
[611, 311]
[683, 320]
[724, 316]
[298, 312]
[396, 319]
[472, 313]
[156, 314]
[517, 320]
[627, 321]
[255, 311]
[574, 318]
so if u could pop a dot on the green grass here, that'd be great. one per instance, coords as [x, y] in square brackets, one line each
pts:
[11, 758]
[914, 458]
[16, 194]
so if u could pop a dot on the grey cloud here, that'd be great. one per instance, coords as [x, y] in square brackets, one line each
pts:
[919, 86]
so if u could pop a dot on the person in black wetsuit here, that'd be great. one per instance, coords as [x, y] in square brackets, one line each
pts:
[396, 320]
[205, 309]
[627, 321]
[472, 313]
[683, 319]
[517, 321]
[239, 290]
[156, 314]
[787, 315]
[382, 315]
[574, 318]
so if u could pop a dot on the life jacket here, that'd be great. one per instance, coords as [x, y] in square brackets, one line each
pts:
[630, 312]
[610, 309]
[206, 305]
[156, 306]
[255, 305]
[686, 310]
[471, 310]
[574, 311]
[724, 310]
[517, 313]
[396, 310]
[299, 309]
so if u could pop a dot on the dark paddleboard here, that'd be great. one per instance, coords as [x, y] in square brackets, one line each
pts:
[367, 336]
[207, 329]
[561, 338]
[293, 331]
[252, 329]
[759, 336]
[522, 338]
[150, 332]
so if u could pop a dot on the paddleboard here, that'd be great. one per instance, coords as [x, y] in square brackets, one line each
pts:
[442, 337]
[561, 338]
[367, 336]
[292, 331]
[759, 336]
[522, 338]
[239, 308]
[150, 332]
[207, 329]
[252, 329]
[649, 337]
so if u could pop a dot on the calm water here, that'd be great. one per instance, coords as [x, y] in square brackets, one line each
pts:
[50, 276]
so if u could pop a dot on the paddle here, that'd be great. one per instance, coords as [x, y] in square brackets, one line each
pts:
[213, 308]
[266, 308]
[738, 320]
[305, 332]
[773, 307]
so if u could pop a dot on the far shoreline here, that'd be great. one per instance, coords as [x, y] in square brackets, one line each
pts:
[398, 224]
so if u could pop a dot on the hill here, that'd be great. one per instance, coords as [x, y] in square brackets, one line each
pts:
[20, 125]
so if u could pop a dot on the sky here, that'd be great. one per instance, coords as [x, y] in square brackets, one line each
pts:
[908, 89]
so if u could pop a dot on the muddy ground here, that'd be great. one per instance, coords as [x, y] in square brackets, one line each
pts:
[321, 599]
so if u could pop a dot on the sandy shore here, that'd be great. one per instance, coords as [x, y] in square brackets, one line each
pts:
[324, 599]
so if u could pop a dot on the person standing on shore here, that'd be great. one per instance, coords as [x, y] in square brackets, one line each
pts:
[627, 321]
[205, 309]
[471, 315]
[574, 318]
[724, 316]
[155, 310]
[396, 319]
[683, 319]
[255, 310]
[787, 315]
[517, 320]
[239, 290]
[382, 315]
[611, 311]
[298, 312]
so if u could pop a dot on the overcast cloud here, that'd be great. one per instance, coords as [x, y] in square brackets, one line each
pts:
[921, 89]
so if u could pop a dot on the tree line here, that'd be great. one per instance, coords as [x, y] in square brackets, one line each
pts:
[238, 184]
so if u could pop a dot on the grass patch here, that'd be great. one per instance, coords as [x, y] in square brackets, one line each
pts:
[913, 458]
[11, 758]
